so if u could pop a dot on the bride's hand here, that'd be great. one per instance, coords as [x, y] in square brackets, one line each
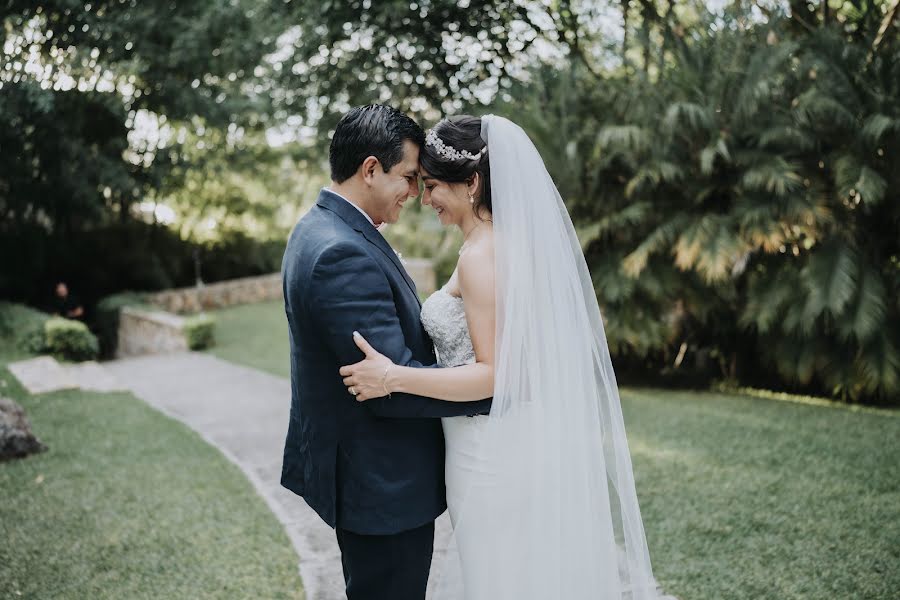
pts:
[365, 379]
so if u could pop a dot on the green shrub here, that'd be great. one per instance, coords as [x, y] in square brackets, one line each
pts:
[23, 327]
[106, 319]
[71, 340]
[199, 331]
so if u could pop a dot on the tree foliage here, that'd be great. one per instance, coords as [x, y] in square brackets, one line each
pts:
[739, 211]
[78, 79]
[732, 173]
[106, 105]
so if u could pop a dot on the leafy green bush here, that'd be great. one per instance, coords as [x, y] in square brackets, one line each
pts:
[199, 331]
[69, 339]
[739, 217]
[23, 327]
[106, 319]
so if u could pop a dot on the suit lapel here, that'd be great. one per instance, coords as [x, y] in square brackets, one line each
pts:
[342, 208]
[375, 237]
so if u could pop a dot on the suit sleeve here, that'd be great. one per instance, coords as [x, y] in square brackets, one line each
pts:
[351, 293]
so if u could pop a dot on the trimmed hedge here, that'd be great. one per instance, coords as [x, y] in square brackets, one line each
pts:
[199, 331]
[35, 332]
[23, 326]
[71, 340]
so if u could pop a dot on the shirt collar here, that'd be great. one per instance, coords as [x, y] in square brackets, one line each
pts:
[365, 214]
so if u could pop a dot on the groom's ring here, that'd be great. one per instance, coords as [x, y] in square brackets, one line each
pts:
[353, 390]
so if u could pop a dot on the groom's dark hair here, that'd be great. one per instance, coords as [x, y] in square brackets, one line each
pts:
[374, 130]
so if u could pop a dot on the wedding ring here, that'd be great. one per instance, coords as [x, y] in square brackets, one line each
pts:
[353, 390]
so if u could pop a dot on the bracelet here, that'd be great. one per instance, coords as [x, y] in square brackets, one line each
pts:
[384, 380]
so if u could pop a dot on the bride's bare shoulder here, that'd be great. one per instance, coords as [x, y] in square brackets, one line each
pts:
[477, 250]
[476, 263]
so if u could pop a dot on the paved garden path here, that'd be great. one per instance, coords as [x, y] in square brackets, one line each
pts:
[244, 413]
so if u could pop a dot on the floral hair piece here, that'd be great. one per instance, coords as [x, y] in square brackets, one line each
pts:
[449, 152]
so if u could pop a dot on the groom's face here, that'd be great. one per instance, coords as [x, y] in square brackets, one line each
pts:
[390, 190]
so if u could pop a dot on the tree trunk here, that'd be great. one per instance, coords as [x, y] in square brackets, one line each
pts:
[883, 30]
[666, 33]
[801, 17]
[625, 38]
[648, 17]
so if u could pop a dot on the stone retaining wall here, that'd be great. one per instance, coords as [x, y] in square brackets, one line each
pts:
[149, 332]
[160, 331]
[219, 295]
[248, 290]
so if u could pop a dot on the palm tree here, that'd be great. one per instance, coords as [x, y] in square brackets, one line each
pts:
[741, 213]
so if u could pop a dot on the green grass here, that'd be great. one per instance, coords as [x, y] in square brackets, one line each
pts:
[10, 352]
[749, 498]
[742, 497]
[128, 503]
[255, 335]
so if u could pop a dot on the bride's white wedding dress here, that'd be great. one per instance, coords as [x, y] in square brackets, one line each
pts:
[444, 318]
[484, 529]
[540, 492]
[488, 525]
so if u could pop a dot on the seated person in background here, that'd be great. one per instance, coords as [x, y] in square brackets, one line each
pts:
[65, 304]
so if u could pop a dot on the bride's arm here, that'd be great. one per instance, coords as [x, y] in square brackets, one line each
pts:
[465, 383]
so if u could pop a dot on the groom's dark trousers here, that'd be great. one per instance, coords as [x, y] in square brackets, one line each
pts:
[392, 567]
[372, 470]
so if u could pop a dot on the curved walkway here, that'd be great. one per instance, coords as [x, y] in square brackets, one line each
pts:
[244, 413]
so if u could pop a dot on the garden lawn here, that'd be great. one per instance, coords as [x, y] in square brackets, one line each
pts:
[128, 503]
[742, 497]
[750, 498]
[255, 335]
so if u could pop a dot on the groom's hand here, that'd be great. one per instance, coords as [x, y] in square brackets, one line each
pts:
[366, 379]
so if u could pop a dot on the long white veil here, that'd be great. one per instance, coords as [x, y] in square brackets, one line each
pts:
[554, 512]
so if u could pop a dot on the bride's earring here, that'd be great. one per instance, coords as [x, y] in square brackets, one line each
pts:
[471, 199]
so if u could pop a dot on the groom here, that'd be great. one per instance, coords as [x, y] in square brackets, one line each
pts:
[374, 471]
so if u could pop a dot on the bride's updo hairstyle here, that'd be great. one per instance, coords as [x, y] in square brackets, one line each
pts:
[461, 134]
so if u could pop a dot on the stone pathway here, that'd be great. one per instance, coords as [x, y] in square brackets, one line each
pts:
[244, 413]
[45, 374]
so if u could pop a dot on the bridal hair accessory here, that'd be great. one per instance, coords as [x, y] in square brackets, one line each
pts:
[449, 152]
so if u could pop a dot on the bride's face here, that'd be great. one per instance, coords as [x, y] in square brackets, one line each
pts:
[449, 200]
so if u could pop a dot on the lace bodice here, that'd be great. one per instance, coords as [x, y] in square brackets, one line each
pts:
[444, 319]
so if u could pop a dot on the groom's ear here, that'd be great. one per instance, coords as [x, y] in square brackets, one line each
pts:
[368, 169]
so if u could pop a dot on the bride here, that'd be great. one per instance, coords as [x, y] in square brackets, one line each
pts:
[540, 492]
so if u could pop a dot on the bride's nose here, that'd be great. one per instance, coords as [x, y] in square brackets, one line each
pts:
[426, 198]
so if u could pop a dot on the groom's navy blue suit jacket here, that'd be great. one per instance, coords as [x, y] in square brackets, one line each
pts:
[374, 467]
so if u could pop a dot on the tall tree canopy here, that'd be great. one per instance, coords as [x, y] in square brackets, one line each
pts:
[732, 170]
